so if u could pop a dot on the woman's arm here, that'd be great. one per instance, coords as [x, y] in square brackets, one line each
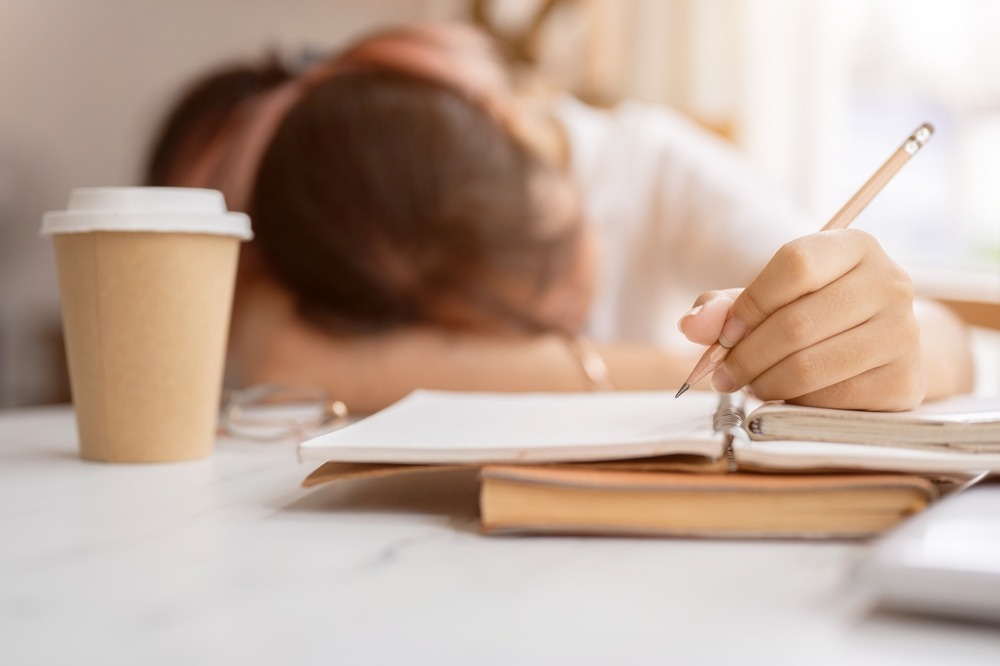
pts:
[946, 350]
[270, 342]
[369, 372]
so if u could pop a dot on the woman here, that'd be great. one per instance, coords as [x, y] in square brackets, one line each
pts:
[418, 225]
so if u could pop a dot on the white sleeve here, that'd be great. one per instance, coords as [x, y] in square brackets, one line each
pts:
[716, 220]
[678, 212]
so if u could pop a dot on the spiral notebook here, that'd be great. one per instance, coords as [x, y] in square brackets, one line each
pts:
[959, 435]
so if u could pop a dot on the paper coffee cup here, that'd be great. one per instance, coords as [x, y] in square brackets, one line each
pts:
[146, 278]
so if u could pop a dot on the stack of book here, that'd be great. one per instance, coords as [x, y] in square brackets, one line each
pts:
[643, 463]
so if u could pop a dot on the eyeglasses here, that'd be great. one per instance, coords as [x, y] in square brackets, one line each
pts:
[280, 412]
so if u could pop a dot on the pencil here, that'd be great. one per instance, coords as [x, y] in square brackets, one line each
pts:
[716, 353]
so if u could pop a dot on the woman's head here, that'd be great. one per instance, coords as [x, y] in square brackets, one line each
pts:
[394, 187]
[386, 199]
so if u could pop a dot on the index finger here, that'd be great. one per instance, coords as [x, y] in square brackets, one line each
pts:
[799, 267]
[703, 323]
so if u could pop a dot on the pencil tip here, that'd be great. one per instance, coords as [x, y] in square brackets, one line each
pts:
[684, 388]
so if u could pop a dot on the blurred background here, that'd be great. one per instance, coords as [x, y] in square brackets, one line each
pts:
[816, 93]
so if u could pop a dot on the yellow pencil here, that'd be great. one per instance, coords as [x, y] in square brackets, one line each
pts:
[716, 354]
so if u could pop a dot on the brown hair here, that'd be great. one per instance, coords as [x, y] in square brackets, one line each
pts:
[386, 199]
[202, 112]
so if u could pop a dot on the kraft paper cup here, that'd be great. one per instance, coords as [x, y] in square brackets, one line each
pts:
[146, 278]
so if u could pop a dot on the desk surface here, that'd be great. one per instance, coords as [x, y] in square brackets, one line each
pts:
[229, 561]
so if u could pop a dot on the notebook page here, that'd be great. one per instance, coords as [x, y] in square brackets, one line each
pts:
[809, 455]
[474, 427]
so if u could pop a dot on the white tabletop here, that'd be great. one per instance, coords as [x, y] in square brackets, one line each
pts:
[229, 561]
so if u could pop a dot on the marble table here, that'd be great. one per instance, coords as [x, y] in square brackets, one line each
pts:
[228, 561]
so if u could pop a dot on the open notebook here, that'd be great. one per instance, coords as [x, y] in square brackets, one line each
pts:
[959, 435]
[646, 464]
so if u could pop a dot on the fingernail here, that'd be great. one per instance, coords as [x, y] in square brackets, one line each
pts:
[693, 311]
[690, 313]
[732, 332]
[721, 381]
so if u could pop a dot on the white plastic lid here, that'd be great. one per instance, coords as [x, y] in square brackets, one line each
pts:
[157, 209]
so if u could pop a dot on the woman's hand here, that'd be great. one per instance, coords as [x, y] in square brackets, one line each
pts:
[829, 322]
